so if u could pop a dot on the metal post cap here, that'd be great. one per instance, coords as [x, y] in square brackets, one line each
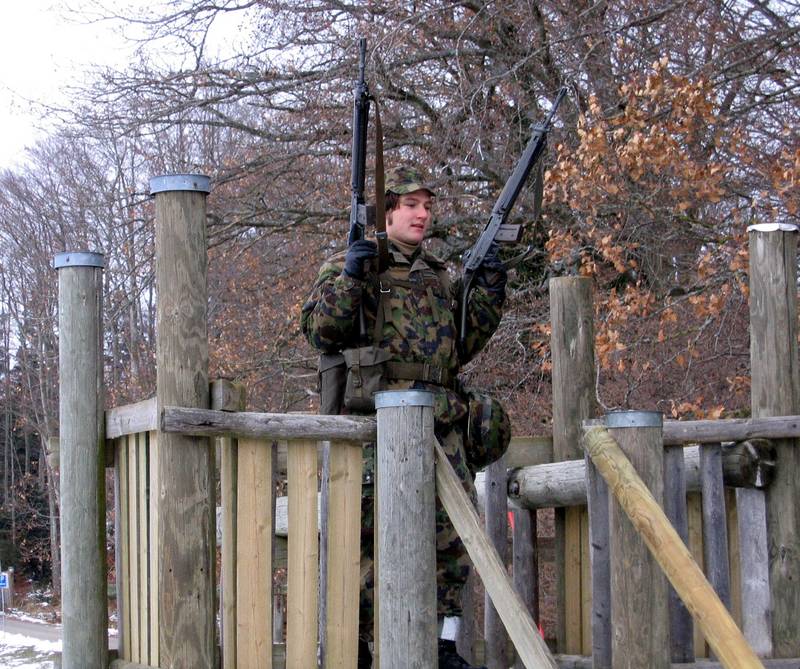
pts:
[621, 419]
[386, 399]
[79, 259]
[175, 182]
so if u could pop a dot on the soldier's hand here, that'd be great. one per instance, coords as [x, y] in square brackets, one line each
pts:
[492, 273]
[358, 256]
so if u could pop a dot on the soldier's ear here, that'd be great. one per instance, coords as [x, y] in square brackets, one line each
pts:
[389, 217]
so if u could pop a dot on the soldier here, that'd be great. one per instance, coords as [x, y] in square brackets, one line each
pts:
[409, 312]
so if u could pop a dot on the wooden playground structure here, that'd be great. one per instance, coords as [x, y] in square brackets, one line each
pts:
[624, 528]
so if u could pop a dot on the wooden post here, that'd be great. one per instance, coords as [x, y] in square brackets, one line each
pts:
[680, 622]
[639, 612]
[84, 601]
[496, 520]
[572, 343]
[776, 392]
[715, 530]
[186, 509]
[406, 500]
[654, 528]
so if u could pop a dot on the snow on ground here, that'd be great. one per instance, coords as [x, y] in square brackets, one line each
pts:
[24, 652]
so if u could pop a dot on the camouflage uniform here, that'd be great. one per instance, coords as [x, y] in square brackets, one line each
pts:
[419, 327]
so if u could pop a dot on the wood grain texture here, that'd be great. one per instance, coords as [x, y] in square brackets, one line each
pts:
[131, 418]
[669, 550]
[123, 575]
[520, 626]
[344, 555]
[187, 509]
[525, 562]
[84, 602]
[205, 422]
[775, 391]
[254, 550]
[406, 534]
[229, 457]
[600, 557]
[680, 622]
[152, 442]
[496, 523]
[303, 579]
[715, 536]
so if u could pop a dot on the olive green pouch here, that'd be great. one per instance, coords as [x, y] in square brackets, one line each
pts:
[365, 377]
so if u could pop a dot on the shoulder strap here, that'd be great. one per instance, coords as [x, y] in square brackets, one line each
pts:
[380, 194]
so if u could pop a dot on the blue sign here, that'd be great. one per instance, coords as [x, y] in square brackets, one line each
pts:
[3, 579]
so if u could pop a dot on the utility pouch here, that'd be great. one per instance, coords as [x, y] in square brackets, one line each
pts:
[332, 374]
[366, 368]
[488, 430]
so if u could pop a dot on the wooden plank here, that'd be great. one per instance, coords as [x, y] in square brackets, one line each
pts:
[644, 512]
[254, 549]
[133, 551]
[579, 662]
[694, 516]
[144, 548]
[124, 576]
[756, 597]
[131, 419]
[152, 445]
[681, 626]
[209, 423]
[301, 615]
[677, 432]
[525, 565]
[344, 554]
[572, 576]
[731, 521]
[519, 624]
[586, 585]
[600, 558]
[228, 492]
[496, 523]
[715, 536]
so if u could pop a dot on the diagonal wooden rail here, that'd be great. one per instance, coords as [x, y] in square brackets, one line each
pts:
[670, 552]
[519, 624]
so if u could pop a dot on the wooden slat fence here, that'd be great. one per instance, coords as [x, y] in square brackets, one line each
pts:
[250, 637]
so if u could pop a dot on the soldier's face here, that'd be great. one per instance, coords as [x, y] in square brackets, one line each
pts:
[409, 220]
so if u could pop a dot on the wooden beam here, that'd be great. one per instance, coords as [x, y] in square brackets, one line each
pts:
[131, 418]
[208, 423]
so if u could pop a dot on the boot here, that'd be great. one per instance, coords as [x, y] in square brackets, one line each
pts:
[364, 655]
[449, 657]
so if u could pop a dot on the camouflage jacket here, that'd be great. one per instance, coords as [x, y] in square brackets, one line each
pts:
[418, 323]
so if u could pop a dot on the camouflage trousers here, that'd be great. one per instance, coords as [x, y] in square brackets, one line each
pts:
[452, 561]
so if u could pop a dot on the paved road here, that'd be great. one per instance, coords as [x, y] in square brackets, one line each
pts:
[41, 631]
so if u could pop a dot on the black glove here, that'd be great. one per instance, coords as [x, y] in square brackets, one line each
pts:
[492, 273]
[359, 253]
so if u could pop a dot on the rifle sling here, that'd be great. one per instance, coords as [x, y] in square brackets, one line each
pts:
[380, 195]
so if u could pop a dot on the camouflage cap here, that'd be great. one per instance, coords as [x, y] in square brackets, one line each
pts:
[406, 179]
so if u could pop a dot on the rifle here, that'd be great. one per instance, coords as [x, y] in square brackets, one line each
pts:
[502, 208]
[360, 213]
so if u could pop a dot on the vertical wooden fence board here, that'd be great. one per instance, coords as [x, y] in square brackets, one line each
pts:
[572, 580]
[152, 445]
[525, 565]
[254, 549]
[303, 581]
[496, 523]
[694, 514]
[343, 562]
[133, 550]
[144, 548]
[228, 486]
[586, 586]
[681, 625]
[731, 520]
[715, 534]
[124, 576]
[600, 565]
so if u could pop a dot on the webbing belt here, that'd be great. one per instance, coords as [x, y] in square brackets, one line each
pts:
[420, 371]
